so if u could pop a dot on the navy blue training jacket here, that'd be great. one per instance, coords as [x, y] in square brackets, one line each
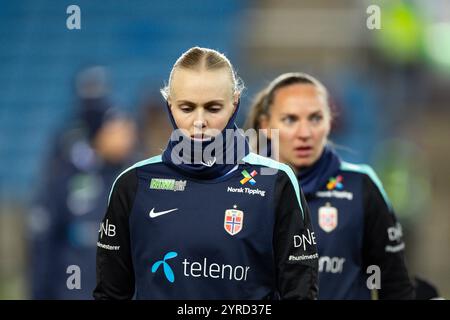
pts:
[357, 232]
[244, 235]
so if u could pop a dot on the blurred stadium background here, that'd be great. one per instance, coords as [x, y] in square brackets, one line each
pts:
[390, 86]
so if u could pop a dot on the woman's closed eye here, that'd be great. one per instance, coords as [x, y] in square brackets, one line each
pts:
[214, 108]
[186, 108]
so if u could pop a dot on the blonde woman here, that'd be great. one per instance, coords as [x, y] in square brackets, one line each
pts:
[202, 221]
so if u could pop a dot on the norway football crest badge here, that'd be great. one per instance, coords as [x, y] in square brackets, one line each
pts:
[328, 218]
[234, 221]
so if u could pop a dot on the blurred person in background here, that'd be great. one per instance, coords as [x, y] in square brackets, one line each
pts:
[155, 129]
[70, 202]
[353, 219]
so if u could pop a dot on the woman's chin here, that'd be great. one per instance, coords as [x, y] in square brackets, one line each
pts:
[303, 162]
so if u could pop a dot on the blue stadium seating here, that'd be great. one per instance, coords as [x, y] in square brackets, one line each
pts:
[39, 56]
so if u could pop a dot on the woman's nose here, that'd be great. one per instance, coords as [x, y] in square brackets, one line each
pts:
[199, 124]
[200, 121]
[303, 131]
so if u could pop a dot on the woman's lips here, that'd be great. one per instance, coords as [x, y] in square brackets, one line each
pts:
[303, 152]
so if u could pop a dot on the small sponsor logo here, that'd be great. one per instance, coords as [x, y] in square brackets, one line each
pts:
[200, 269]
[249, 191]
[335, 194]
[304, 257]
[108, 247]
[168, 272]
[248, 177]
[305, 239]
[331, 264]
[108, 229]
[206, 269]
[394, 249]
[154, 214]
[168, 184]
[395, 233]
[335, 183]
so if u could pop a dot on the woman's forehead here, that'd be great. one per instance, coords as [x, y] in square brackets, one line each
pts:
[201, 85]
[299, 97]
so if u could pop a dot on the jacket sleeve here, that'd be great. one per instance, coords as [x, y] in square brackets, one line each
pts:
[114, 269]
[295, 250]
[383, 245]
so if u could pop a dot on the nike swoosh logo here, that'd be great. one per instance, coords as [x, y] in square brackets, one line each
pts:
[154, 214]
